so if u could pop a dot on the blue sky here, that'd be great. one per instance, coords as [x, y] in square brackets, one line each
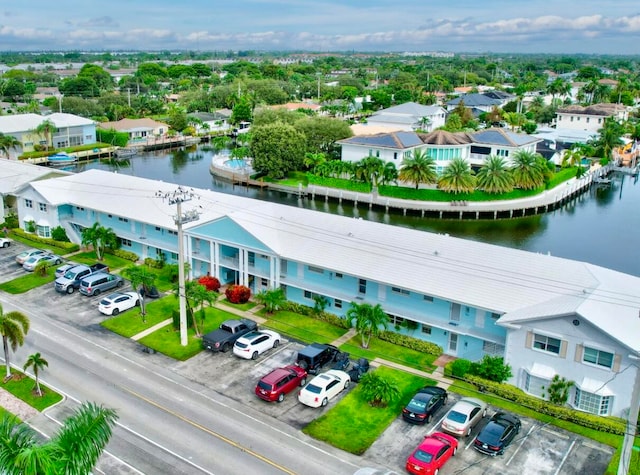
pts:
[533, 26]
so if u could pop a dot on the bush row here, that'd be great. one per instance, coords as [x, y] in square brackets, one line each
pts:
[518, 396]
[411, 342]
[310, 312]
[66, 247]
[128, 255]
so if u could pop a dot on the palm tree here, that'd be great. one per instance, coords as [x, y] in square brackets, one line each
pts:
[46, 128]
[74, 449]
[389, 174]
[313, 160]
[369, 170]
[7, 143]
[377, 390]
[14, 326]
[142, 282]
[458, 177]
[37, 362]
[526, 170]
[419, 168]
[494, 176]
[197, 295]
[514, 119]
[609, 137]
[99, 238]
[368, 320]
[273, 299]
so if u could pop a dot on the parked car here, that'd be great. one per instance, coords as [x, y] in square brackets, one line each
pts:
[424, 404]
[118, 302]
[50, 259]
[323, 388]
[464, 416]
[64, 268]
[24, 255]
[252, 344]
[227, 333]
[5, 242]
[497, 434]
[432, 453]
[359, 368]
[95, 284]
[280, 382]
[316, 355]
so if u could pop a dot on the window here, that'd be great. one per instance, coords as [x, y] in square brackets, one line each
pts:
[43, 231]
[337, 303]
[362, 286]
[264, 282]
[28, 203]
[400, 291]
[535, 385]
[80, 208]
[395, 155]
[598, 357]
[426, 329]
[109, 216]
[125, 242]
[42, 207]
[395, 320]
[157, 228]
[124, 220]
[592, 403]
[492, 348]
[427, 298]
[546, 343]
[175, 233]
[495, 316]
[338, 275]
[308, 294]
[317, 270]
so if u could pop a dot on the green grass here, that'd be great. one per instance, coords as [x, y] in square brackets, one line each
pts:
[353, 425]
[23, 387]
[612, 440]
[340, 183]
[564, 174]
[240, 306]
[407, 193]
[389, 351]
[294, 179]
[130, 322]
[89, 258]
[167, 340]
[29, 281]
[303, 328]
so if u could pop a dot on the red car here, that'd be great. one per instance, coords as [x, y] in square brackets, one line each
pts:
[432, 454]
[281, 381]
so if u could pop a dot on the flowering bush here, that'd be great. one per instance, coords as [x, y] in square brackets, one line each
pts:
[210, 283]
[238, 293]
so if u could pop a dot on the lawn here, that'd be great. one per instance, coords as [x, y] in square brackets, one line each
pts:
[130, 322]
[612, 440]
[240, 306]
[29, 281]
[167, 340]
[389, 351]
[353, 425]
[89, 258]
[23, 387]
[303, 328]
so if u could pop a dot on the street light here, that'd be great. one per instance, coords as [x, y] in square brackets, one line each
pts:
[177, 197]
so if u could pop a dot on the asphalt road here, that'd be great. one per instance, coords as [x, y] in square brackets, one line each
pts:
[168, 424]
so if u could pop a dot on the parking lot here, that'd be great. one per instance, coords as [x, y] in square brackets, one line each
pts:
[538, 448]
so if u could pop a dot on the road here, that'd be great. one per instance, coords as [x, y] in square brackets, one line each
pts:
[168, 423]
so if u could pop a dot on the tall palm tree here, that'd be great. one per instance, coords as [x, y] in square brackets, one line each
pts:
[369, 320]
[74, 449]
[46, 128]
[369, 170]
[99, 238]
[272, 299]
[142, 282]
[494, 176]
[14, 326]
[458, 177]
[8, 143]
[38, 363]
[419, 168]
[526, 169]
[197, 295]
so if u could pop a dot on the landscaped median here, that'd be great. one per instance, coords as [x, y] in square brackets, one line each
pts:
[353, 424]
[23, 387]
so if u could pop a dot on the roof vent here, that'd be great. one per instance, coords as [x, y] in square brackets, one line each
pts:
[350, 234]
[435, 253]
[576, 322]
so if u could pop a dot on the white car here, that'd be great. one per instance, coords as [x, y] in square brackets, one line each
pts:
[464, 416]
[5, 242]
[324, 387]
[31, 263]
[255, 343]
[118, 302]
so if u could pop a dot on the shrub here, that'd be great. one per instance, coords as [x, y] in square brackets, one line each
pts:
[322, 316]
[66, 247]
[128, 255]
[238, 293]
[411, 342]
[460, 367]
[154, 263]
[11, 221]
[59, 234]
[210, 283]
[491, 368]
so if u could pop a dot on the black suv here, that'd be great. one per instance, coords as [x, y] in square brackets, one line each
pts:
[313, 357]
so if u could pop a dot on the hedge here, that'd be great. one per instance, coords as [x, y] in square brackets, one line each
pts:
[327, 317]
[411, 342]
[67, 247]
[128, 255]
[518, 396]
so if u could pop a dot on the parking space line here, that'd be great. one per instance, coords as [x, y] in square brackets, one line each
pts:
[564, 459]
[264, 360]
[470, 443]
[521, 444]
[557, 434]
[595, 447]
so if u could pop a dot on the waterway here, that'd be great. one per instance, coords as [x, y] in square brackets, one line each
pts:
[601, 226]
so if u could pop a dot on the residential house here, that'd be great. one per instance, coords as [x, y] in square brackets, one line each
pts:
[590, 118]
[501, 142]
[217, 121]
[545, 315]
[480, 102]
[70, 130]
[444, 146]
[410, 116]
[390, 147]
[137, 129]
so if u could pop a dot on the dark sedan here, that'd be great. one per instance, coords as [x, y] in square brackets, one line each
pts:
[424, 404]
[497, 434]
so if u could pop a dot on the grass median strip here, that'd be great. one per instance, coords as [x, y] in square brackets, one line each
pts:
[303, 328]
[23, 387]
[28, 281]
[389, 351]
[353, 425]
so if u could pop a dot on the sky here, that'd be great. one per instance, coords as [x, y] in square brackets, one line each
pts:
[472, 26]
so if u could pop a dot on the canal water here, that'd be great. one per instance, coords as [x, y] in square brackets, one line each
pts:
[601, 226]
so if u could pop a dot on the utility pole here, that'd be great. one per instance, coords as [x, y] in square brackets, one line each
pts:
[177, 197]
[631, 427]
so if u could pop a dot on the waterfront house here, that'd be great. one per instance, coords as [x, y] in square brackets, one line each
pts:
[484, 102]
[545, 315]
[409, 116]
[137, 129]
[390, 146]
[590, 118]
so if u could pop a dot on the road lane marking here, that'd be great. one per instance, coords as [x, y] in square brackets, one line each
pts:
[564, 459]
[521, 444]
[215, 434]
